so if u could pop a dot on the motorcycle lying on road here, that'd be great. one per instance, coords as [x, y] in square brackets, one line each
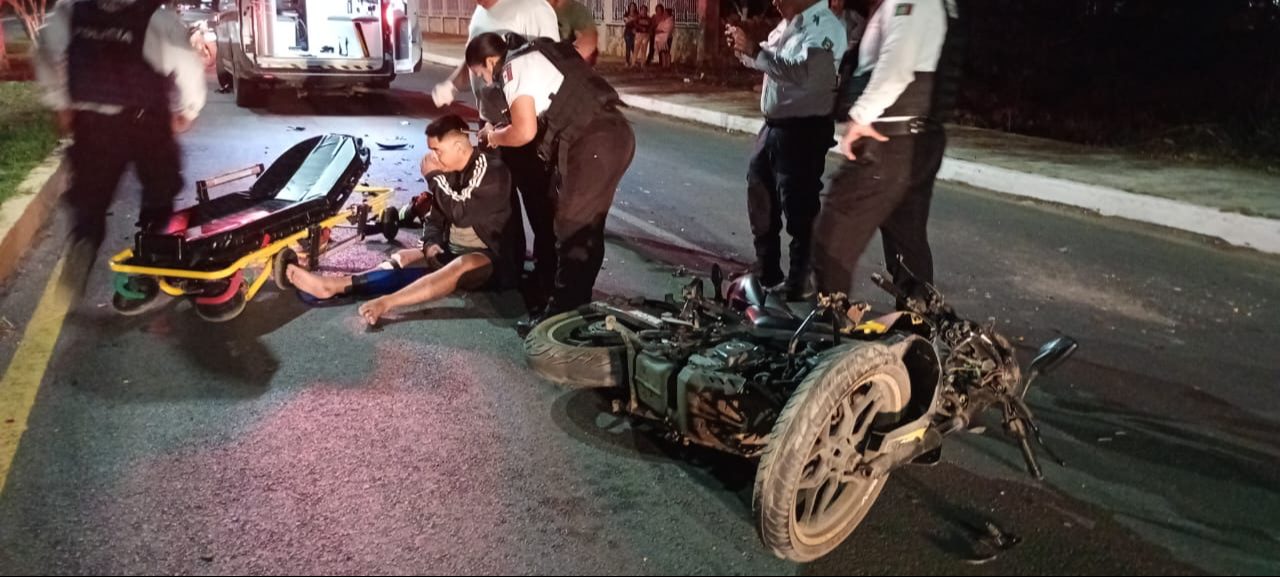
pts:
[828, 405]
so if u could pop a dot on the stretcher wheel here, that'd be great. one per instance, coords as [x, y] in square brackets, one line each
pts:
[223, 312]
[389, 220]
[280, 268]
[135, 295]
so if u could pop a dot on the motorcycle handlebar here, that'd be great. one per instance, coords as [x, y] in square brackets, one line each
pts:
[1033, 466]
[887, 286]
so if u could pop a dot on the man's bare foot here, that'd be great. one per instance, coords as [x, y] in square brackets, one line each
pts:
[318, 286]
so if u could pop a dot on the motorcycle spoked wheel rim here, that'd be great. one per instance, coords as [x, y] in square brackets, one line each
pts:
[830, 493]
[586, 330]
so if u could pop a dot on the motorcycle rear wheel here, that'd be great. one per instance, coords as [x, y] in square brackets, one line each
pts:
[574, 349]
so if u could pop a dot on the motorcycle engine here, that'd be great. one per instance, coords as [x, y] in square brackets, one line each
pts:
[716, 407]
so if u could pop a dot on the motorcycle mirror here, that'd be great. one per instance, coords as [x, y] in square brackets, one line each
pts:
[695, 289]
[1053, 354]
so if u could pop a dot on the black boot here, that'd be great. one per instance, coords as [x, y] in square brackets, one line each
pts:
[536, 316]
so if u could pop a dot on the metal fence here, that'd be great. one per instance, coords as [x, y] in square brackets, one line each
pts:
[446, 8]
[686, 11]
[597, 9]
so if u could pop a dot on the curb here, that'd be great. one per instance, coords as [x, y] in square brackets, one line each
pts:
[24, 216]
[1261, 234]
[449, 61]
[721, 120]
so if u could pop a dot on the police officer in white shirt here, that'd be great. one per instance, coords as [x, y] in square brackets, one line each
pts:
[904, 88]
[800, 62]
[124, 79]
[530, 19]
[563, 107]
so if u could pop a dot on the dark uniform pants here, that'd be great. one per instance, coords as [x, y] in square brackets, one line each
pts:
[103, 147]
[533, 178]
[785, 178]
[588, 178]
[889, 187]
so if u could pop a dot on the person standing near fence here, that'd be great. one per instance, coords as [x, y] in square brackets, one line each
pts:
[644, 36]
[664, 31]
[629, 32]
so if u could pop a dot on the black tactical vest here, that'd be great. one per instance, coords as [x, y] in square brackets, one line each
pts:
[105, 64]
[583, 96]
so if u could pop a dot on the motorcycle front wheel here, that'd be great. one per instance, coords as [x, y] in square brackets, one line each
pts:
[808, 495]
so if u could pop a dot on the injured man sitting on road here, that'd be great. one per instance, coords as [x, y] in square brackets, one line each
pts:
[473, 238]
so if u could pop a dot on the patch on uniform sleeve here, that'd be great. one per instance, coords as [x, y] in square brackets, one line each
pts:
[507, 75]
[904, 10]
[827, 44]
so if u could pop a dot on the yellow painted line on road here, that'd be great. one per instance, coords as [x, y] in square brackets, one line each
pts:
[22, 379]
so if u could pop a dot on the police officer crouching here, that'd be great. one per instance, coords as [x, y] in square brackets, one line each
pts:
[530, 19]
[556, 99]
[904, 86]
[123, 78]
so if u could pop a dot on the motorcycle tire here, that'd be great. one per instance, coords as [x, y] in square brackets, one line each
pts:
[572, 349]
[804, 508]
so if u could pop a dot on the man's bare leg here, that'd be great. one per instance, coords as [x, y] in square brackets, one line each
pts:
[324, 287]
[467, 271]
[318, 286]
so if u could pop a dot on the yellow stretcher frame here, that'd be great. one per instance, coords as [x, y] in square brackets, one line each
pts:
[376, 197]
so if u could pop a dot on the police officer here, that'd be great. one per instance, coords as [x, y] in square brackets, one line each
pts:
[904, 86]
[800, 61]
[124, 79]
[530, 19]
[557, 101]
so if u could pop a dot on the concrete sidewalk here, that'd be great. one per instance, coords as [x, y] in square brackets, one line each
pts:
[1239, 206]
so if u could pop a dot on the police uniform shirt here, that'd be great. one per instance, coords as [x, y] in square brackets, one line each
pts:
[534, 76]
[800, 61]
[167, 48]
[902, 37]
[528, 18]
